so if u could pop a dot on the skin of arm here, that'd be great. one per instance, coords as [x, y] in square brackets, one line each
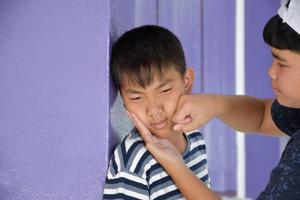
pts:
[191, 187]
[242, 113]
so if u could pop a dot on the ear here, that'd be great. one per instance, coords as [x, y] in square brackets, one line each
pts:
[188, 79]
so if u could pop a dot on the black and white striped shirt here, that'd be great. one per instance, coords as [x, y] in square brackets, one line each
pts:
[133, 173]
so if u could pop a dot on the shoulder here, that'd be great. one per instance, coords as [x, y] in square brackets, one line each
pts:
[131, 154]
[125, 177]
[196, 139]
[195, 135]
[195, 156]
[196, 148]
[287, 119]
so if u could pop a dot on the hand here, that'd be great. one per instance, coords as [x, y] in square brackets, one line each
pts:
[166, 154]
[194, 111]
[163, 151]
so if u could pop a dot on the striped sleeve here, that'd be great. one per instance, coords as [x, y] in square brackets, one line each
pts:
[196, 158]
[122, 181]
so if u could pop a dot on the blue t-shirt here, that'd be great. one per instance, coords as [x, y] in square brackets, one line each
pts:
[284, 183]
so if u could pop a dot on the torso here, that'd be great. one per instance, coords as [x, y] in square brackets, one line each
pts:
[149, 178]
[284, 180]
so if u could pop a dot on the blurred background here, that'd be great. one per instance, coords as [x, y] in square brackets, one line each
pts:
[60, 116]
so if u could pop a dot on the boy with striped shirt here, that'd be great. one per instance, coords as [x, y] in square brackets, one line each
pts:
[149, 69]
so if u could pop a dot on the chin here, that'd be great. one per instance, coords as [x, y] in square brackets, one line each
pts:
[162, 133]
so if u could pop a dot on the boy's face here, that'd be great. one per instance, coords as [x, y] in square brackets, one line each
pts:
[285, 76]
[156, 104]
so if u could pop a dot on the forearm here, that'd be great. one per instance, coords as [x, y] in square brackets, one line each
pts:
[246, 114]
[242, 113]
[191, 187]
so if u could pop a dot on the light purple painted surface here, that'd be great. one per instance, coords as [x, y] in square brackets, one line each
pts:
[122, 18]
[262, 153]
[185, 20]
[54, 99]
[146, 12]
[218, 77]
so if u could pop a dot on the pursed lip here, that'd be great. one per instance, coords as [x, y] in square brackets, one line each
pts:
[159, 124]
[276, 91]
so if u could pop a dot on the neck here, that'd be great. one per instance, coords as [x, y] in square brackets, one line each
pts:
[179, 141]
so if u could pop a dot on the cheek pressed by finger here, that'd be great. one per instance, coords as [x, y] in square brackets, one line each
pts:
[182, 110]
[144, 131]
[136, 122]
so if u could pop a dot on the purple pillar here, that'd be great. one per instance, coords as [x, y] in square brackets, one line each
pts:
[54, 99]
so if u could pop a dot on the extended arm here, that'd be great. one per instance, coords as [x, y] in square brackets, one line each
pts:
[242, 113]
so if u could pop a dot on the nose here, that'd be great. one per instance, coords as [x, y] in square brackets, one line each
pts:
[154, 107]
[272, 71]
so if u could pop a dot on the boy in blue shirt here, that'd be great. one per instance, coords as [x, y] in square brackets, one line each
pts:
[149, 69]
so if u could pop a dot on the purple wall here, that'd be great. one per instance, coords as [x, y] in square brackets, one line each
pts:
[146, 12]
[121, 19]
[56, 94]
[54, 99]
[181, 17]
[218, 77]
[262, 154]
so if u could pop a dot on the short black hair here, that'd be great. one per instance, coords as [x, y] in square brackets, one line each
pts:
[280, 35]
[145, 51]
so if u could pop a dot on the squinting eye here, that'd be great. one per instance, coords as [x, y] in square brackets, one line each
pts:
[166, 90]
[280, 65]
[135, 98]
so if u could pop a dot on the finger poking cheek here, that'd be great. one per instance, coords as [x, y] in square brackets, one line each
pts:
[144, 131]
[187, 119]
